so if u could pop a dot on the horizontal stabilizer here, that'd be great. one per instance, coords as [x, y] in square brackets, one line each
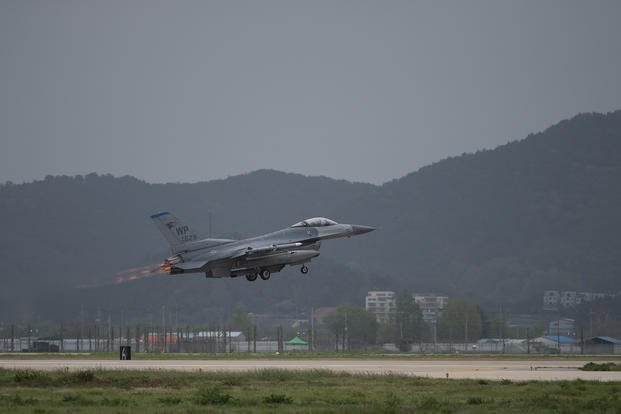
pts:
[190, 265]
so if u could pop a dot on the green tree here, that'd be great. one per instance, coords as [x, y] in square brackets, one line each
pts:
[239, 320]
[461, 321]
[408, 321]
[355, 327]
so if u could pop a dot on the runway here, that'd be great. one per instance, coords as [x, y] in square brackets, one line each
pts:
[522, 370]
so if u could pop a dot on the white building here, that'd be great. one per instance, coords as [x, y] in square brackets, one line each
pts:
[551, 299]
[554, 299]
[563, 326]
[431, 305]
[381, 304]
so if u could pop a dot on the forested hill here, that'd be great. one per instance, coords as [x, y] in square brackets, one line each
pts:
[497, 226]
[502, 225]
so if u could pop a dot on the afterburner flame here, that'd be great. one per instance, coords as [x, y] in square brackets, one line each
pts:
[139, 273]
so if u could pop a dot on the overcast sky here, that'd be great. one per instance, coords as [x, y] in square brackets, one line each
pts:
[366, 91]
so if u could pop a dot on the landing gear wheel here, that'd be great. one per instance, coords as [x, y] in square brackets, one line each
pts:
[251, 277]
[304, 269]
[265, 274]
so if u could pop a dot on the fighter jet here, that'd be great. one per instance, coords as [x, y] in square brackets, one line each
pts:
[254, 257]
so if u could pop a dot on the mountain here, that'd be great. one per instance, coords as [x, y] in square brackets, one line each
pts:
[497, 226]
[505, 224]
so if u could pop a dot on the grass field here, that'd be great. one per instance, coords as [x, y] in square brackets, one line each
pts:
[306, 355]
[292, 391]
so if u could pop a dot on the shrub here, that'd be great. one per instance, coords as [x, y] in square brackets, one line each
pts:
[606, 366]
[474, 400]
[277, 399]
[28, 377]
[16, 400]
[212, 395]
[81, 377]
[429, 403]
[70, 398]
[168, 400]
[233, 380]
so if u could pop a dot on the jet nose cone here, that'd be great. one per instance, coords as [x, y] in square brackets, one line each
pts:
[357, 229]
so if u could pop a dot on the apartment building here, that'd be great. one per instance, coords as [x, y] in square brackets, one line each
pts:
[381, 304]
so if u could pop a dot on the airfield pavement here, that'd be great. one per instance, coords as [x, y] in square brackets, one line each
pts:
[521, 370]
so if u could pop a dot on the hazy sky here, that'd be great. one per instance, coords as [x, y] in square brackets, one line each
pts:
[361, 90]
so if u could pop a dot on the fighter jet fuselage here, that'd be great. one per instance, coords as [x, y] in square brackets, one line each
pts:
[253, 257]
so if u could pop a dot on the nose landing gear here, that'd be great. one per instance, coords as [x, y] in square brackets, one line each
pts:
[304, 269]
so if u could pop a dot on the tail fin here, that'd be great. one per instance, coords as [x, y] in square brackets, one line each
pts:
[176, 232]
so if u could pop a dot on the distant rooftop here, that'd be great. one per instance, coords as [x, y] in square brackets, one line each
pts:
[561, 339]
[607, 339]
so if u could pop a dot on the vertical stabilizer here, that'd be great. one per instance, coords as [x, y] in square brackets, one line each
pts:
[176, 232]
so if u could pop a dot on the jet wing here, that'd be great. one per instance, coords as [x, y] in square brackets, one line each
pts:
[230, 254]
[257, 251]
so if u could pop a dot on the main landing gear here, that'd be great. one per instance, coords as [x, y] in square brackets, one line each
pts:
[263, 274]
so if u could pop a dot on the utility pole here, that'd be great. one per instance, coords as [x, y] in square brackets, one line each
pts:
[279, 338]
[210, 225]
[312, 335]
[137, 339]
[146, 340]
[164, 325]
[558, 334]
[466, 329]
[346, 333]
[108, 348]
[501, 327]
[121, 328]
[527, 340]
[254, 338]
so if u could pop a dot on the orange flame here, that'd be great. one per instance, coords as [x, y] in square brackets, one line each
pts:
[138, 273]
[130, 275]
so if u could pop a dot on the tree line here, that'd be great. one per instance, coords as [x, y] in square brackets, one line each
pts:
[353, 328]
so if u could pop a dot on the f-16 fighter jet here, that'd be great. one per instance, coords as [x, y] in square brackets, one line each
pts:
[254, 257]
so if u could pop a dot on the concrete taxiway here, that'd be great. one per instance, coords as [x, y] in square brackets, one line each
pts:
[520, 370]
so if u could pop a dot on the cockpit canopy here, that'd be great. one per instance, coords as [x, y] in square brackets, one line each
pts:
[315, 222]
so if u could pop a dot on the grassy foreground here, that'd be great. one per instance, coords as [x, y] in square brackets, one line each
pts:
[292, 391]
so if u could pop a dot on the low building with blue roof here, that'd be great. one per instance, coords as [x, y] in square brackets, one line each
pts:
[558, 343]
[602, 345]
